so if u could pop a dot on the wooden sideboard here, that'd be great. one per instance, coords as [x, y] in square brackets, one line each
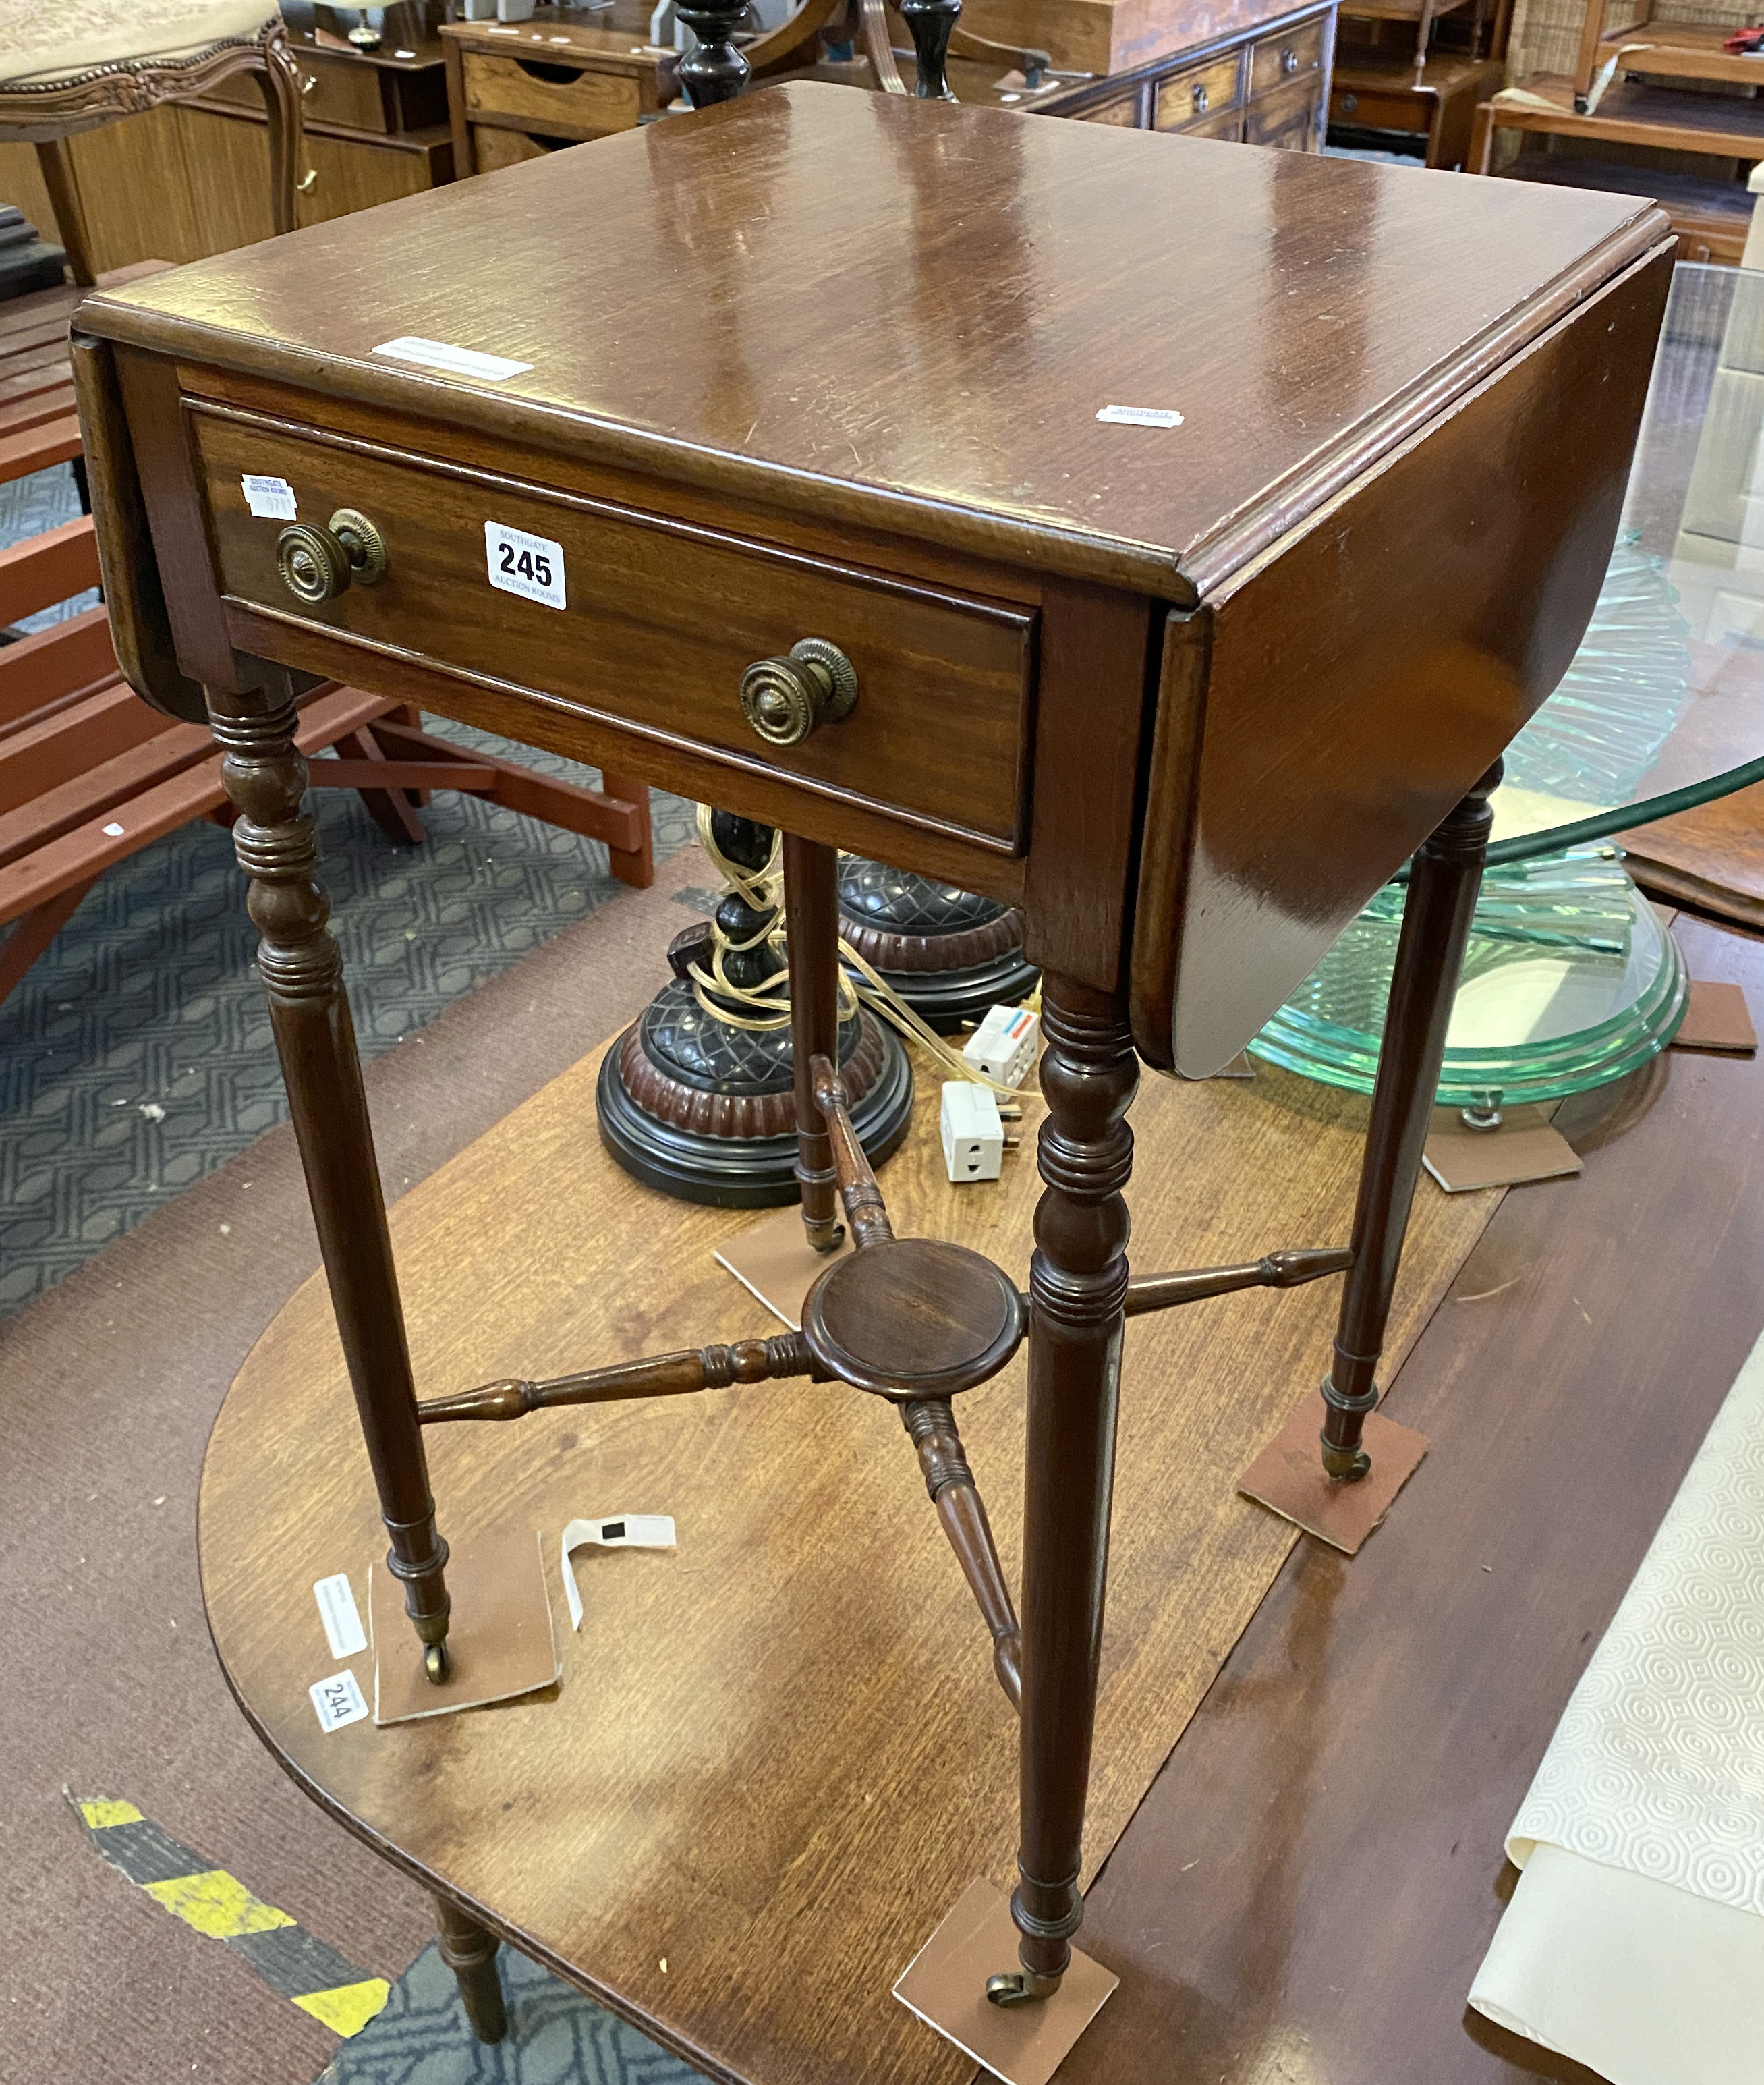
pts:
[1264, 82]
[190, 179]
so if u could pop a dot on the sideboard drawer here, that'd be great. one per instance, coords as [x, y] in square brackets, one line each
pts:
[661, 619]
[1290, 56]
[560, 100]
[1290, 121]
[1199, 92]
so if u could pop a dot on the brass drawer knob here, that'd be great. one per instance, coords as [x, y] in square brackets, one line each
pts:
[1289, 61]
[318, 564]
[785, 700]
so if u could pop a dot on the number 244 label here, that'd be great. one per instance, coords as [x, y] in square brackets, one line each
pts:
[530, 566]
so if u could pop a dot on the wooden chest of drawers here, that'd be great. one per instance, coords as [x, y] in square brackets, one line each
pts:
[1264, 84]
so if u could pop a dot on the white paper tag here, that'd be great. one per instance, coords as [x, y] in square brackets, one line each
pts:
[456, 361]
[1139, 416]
[618, 1531]
[338, 1701]
[336, 1610]
[530, 566]
[269, 499]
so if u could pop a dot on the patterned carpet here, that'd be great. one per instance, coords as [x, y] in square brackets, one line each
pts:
[555, 2037]
[135, 1057]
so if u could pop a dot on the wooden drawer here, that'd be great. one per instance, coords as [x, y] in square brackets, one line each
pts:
[1198, 93]
[1290, 56]
[1229, 126]
[493, 148]
[344, 90]
[1125, 113]
[556, 100]
[1381, 108]
[1289, 120]
[661, 621]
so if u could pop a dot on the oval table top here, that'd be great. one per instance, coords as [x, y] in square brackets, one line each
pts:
[777, 1755]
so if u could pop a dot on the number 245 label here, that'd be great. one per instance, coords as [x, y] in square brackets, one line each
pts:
[530, 566]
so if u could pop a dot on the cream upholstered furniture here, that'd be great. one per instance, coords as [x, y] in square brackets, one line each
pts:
[68, 65]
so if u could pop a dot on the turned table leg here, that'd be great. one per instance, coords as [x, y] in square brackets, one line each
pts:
[1444, 881]
[469, 1950]
[811, 924]
[1078, 1284]
[277, 848]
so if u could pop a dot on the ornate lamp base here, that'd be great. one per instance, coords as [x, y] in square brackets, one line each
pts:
[707, 1112]
[949, 954]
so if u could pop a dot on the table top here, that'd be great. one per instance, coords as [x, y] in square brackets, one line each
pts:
[909, 314]
[1311, 1883]
[1663, 708]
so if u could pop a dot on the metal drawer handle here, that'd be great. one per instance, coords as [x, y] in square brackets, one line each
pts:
[1200, 97]
[785, 700]
[318, 564]
[1289, 61]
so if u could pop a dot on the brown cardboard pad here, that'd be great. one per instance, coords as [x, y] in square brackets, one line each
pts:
[499, 1638]
[1525, 1146]
[776, 1261]
[1716, 1018]
[945, 1984]
[1288, 1476]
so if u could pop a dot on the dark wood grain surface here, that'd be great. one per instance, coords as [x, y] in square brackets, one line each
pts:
[900, 313]
[1310, 1886]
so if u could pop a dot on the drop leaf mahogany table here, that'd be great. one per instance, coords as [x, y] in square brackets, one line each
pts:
[832, 462]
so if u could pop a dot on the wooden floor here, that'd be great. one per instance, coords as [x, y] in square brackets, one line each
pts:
[1307, 1890]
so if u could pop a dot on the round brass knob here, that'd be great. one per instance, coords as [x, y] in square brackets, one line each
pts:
[362, 544]
[314, 565]
[785, 700]
[318, 564]
[1289, 61]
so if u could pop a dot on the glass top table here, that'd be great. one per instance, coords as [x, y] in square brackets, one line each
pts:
[1571, 978]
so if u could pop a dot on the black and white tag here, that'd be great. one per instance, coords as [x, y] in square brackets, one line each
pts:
[269, 499]
[530, 566]
[338, 1701]
[621, 1530]
[338, 1611]
[1140, 416]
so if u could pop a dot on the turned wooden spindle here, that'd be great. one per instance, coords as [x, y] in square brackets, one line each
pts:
[277, 844]
[865, 1209]
[657, 1375]
[1444, 882]
[930, 1424]
[1274, 1270]
[1078, 1288]
[715, 70]
[812, 939]
[469, 1950]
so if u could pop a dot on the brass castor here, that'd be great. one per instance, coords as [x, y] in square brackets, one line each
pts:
[1345, 1466]
[437, 1664]
[1021, 1987]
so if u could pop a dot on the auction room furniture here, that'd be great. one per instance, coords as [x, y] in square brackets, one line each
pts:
[1410, 70]
[83, 68]
[1253, 71]
[190, 177]
[1625, 90]
[864, 410]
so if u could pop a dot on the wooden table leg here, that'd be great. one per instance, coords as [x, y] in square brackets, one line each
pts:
[812, 922]
[1444, 881]
[469, 1950]
[302, 972]
[1077, 1285]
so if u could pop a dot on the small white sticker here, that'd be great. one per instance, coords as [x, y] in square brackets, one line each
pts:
[338, 1701]
[618, 1531]
[456, 361]
[269, 499]
[530, 566]
[1139, 416]
[338, 1611]
[113, 832]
